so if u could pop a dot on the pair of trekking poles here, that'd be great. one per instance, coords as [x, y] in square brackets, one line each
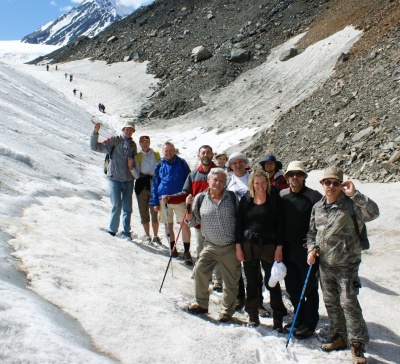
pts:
[172, 249]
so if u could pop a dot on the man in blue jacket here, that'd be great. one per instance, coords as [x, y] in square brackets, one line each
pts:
[168, 179]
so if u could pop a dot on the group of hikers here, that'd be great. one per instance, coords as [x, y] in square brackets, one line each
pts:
[251, 219]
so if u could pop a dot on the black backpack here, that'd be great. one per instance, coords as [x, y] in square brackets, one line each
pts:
[362, 234]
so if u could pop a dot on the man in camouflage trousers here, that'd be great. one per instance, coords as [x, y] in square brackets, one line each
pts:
[333, 237]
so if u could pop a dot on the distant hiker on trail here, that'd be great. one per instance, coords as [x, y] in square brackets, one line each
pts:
[122, 150]
[168, 178]
[333, 237]
[56, 68]
[47, 67]
[259, 239]
[70, 78]
[74, 91]
[80, 95]
[274, 170]
[217, 216]
[146, 160]
[66, 75]
[221, 160]
[196, 182]
[298, 201]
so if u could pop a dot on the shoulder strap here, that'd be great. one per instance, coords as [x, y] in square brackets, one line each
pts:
[139, 158]
[201, 199]
[157, 155]
[115, 143]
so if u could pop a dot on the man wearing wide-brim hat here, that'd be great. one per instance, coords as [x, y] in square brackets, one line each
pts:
[274, 169]
[298, 201]
[334, 238]
[122, 151]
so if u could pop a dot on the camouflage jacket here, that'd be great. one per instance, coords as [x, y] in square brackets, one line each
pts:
[334, 232]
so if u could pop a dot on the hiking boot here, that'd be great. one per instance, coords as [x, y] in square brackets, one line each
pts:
[278, 322]
[239, 305]
[302, 332]
[254, 321]
[127, 236]
[335, 342]
[357, 353]
[147, 239]
[288, 326]
[196, 309]
[174, 254]
[156, 240]
[224, 317]
[217, 287]
[263, 312]
[187, 258]
[112, 233]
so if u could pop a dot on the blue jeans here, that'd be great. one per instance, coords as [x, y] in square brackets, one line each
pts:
[121, 199]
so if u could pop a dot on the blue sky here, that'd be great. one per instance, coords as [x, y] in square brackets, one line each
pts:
[22, 17]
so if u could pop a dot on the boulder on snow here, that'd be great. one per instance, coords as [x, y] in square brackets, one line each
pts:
[200, 53]
[290, 53]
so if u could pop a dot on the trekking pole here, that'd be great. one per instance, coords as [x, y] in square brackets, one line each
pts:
[298, 306]
[174, 247]
[168, 237]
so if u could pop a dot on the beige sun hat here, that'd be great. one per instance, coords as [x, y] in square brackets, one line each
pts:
[296, 166]
[129, 124]
[333, 172]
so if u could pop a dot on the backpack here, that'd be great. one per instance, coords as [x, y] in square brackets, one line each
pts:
[140, 156]
[362, 234]
[203, 194]
[109, 155]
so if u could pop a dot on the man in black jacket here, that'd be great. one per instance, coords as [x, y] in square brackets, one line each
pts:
[298, 201]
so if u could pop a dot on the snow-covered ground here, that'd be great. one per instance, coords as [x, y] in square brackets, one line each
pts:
[87, 297]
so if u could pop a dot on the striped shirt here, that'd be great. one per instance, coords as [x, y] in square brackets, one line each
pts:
[217, 220]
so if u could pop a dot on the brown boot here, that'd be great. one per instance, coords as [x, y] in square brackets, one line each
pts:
[357, 352]
[196, 309]
[336, 342]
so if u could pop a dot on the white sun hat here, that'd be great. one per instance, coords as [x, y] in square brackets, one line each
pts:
[278, 272]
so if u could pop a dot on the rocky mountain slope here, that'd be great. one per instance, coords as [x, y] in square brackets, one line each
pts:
[351, 121]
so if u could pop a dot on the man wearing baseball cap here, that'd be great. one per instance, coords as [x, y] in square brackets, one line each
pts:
[298, 201]
[122, 151]
[333, 237]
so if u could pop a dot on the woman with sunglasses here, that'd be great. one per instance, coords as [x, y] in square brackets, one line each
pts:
[334, 237]
[259, 241]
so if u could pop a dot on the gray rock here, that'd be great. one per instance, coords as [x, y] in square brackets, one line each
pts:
[390, 167]
[395, 157]
[290, 53]
[112, 39]
[240, 55]
[200, 53]
[362, 134]
[340, 137]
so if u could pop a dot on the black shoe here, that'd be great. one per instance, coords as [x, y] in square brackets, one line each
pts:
[263, 312]
[239, 305]
[187, 258]
[302, 332]
[288, 326]
[111, 233]
[254, 321]
[127, 236]
[174, 254]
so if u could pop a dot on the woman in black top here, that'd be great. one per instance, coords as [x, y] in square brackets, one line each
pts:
[259, 233]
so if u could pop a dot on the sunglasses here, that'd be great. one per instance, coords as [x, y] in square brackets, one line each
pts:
[334, 183]
[295, 174]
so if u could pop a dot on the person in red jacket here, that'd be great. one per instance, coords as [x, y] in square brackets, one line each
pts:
[274, 169]
[196, 182]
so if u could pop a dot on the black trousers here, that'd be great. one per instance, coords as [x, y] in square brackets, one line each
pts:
[295, 259]
[252, 271]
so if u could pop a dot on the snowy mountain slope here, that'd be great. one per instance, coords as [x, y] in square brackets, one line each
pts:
[54, 204]
[87, 19]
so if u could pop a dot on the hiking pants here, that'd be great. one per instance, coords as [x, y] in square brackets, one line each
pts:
[121, 199]
[340, 288]
[295, 259]
[230, 270]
